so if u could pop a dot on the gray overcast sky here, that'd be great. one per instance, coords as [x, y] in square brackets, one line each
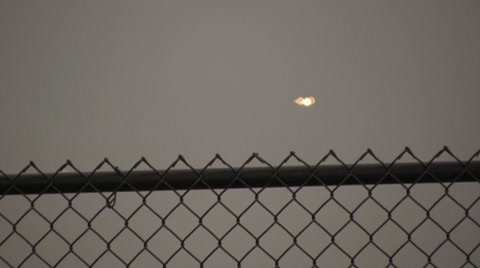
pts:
[85, 80]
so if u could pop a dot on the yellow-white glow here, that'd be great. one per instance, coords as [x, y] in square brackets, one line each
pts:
[305, 101]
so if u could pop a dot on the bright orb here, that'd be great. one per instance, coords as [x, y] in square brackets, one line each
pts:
[305, 101]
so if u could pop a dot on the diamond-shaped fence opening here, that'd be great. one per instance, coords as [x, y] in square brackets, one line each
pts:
[371, 256]
[333, 257]
[144, 222]
[237, 200]
[371, 213]
[447, 221]
[88, 205]
[238, 243]
[13, 207]
[108, 260]
[200, 201]
[89, 247]
[388, 195]
[258, 258]
[35, 261]
[428, 236]
[275, 241]
[50, 206]
[352, 239]
[220, 259]
[201, 243]
[311, 198]
[474, 211]
[257, 219]
[313, 239]
[294, 218]
[107, 224]
[350, 197]
[144, 259]
[32, 227]
[408, 214]
[52, 248]
[389, 238]
[332, 224]
[295, 257]
[274, 198]
[183, 259]
[464, 193]
[127, 204]
[163, 244]
[162, 202]
[370, 216]
[14, 250]
[449, 256]
[70, 225]
[410, 256]
[464, 235]
[435, 191]
[71, 260]
[126, 245]
[475, 259]
[219, 220]
[181, 221]
[6, 228]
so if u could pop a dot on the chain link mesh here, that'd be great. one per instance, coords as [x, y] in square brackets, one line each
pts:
[431, 220]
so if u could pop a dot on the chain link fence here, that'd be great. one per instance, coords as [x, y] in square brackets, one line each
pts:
[407, 213]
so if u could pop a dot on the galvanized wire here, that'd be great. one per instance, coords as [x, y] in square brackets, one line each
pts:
[332, 229]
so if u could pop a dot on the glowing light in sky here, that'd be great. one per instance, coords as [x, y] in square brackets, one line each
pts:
[305, 101]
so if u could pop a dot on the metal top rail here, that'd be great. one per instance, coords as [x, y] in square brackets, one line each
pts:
[219, 178]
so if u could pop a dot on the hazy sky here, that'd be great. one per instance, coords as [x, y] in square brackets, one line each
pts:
[84, 80]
